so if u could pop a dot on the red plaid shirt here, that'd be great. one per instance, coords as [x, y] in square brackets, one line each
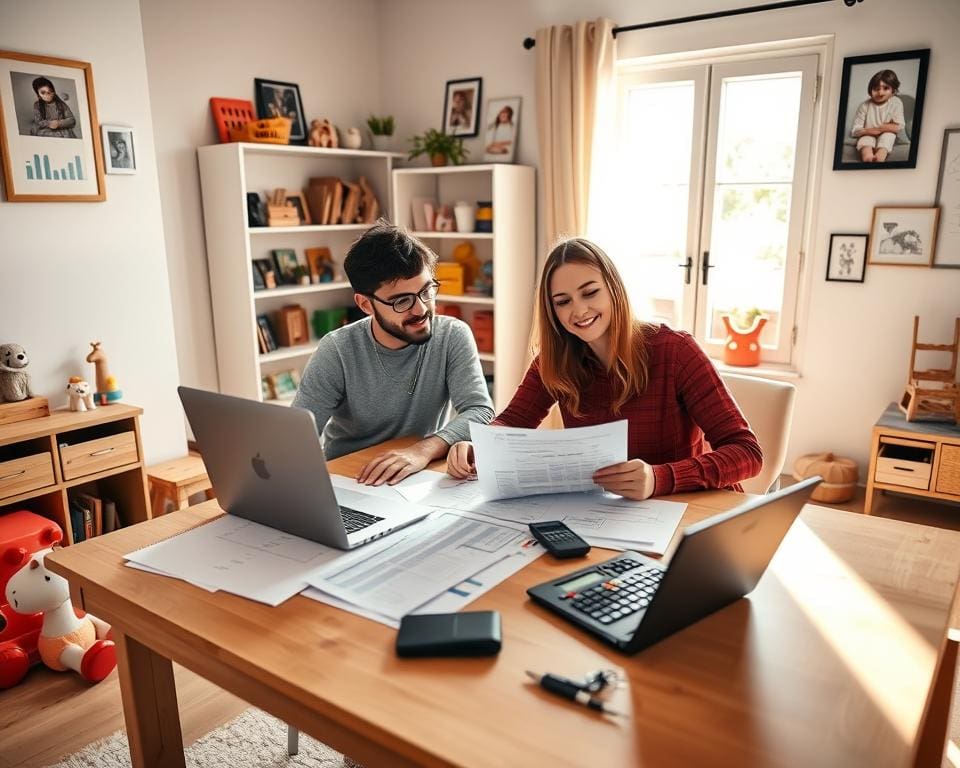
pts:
[685, 407]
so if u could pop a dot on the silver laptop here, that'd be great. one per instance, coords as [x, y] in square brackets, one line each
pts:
[266, 465]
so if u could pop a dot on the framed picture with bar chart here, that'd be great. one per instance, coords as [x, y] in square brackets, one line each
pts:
[48, 130]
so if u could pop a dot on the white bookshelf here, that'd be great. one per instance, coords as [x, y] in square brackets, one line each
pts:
[227, 173]
[511, 247]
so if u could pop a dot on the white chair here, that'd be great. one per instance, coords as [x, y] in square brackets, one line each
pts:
[768, 408]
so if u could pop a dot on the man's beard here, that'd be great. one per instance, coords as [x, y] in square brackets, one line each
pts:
[399, 330]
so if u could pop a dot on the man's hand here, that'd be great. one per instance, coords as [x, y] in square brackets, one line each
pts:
[393, 466]
[631, 479]
[54, 124]
[460, 461]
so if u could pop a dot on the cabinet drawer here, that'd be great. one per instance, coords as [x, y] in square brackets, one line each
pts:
[907, 465]
[97, 455]
[22, 475]
[948, 476]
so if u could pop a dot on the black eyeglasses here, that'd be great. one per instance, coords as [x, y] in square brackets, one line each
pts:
[405, 301]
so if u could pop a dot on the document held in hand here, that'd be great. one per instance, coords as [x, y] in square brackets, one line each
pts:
[515, 462]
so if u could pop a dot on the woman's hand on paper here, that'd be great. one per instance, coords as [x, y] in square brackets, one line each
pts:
[460, 461]
[631, 479]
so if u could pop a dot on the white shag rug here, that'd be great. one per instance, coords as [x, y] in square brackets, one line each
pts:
[253, 740]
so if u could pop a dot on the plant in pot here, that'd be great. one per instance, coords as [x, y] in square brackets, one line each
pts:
[381, 131]
[439, 147]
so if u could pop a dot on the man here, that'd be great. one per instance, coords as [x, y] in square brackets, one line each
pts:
[394, 372]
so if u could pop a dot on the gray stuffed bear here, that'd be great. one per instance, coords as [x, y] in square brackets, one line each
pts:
[14, 379]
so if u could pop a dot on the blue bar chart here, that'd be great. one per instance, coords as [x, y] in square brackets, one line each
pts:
[39, 169]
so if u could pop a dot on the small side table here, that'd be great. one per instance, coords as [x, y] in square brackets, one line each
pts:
[177, 481]
[918, 458]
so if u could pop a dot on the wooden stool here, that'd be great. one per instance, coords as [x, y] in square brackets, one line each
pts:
[177, 481]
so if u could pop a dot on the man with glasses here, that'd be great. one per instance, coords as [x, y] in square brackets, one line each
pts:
[394, 372]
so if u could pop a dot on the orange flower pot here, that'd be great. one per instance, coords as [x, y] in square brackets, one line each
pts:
[742, 347]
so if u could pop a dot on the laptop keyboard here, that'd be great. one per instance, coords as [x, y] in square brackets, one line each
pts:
[355, 520]
[621, 595]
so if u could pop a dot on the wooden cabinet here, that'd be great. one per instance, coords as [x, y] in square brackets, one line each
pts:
[919, 458]
[43, 461]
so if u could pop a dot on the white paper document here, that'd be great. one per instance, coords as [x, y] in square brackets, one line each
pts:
[525, 462]
[415, 565]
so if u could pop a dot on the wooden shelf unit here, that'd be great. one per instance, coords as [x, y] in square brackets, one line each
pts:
[917, 458]
[511, 247]
[227, 173]
[43, 459]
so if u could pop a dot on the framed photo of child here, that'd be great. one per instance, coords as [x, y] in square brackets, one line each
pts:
[881, 107]
[500, 130]
[461, 107]
[48, 130]
[118, 151]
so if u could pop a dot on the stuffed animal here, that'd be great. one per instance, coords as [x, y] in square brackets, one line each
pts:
[81, 398]
[322, 134]
[14, 379]
[66, 641]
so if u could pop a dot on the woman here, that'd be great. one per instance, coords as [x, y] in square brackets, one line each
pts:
[602, 365]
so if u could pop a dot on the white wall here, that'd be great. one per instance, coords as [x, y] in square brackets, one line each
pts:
[196, 50]
[78, 272]
[855, 339]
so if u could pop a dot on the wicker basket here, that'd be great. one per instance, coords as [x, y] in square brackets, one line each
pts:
[274, 130]
[839, 476]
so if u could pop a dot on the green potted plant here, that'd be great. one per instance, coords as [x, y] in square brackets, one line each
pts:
[439, 147]
[381, 131]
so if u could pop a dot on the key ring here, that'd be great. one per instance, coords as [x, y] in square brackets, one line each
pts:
[597, 681]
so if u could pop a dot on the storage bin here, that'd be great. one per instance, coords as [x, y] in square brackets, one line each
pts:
[450, 277]
[904, 462]
[25, 474]
[93, 456]
[948, 476]
[482, 325]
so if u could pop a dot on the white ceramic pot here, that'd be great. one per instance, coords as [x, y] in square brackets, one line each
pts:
[353, 139]
[382, 143]
[466, 216]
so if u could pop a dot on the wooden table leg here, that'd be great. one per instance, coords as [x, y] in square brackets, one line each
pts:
[149, 705]
[933, 732]
[871, 472]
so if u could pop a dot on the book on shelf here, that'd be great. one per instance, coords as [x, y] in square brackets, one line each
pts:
[93, 513]
[77, 512]
[111, 520]
[269, 337]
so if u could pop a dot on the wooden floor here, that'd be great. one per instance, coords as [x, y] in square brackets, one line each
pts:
[52, 714]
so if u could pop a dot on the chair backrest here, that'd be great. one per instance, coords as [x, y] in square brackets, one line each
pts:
[768, 408]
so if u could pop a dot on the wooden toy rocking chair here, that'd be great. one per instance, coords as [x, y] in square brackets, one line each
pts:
[941, 396]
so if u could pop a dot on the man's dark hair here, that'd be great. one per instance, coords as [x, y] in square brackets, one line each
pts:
[384, 254]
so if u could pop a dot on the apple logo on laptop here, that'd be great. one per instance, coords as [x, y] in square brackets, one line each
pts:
[260, 467]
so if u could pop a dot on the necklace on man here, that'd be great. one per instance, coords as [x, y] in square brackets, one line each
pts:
[416, 374]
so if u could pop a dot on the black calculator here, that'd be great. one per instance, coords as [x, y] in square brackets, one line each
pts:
[558, 539]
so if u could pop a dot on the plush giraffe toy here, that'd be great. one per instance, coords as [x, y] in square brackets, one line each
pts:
[66, 641]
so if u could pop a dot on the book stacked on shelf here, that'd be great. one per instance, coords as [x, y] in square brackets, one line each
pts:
[92, 515]
[266, 338]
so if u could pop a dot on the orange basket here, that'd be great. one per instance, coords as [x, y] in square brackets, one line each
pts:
[274, 130]
[230, 113]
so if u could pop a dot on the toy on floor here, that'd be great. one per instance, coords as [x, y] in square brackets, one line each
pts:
[107, 389]
[66, 641]
[21, 533]
[14, 379]
[81, 398]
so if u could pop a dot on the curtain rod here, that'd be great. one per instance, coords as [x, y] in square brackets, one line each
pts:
[529, 42]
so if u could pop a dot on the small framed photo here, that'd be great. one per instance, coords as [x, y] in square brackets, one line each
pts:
[268, 272]
[948, 200]
[284, 384]
[847, 260]
[49, 142]
[286, 262]
[881, 106]
[118, 153]
[500, 126]
[300, 203]
[276, 99]
[905, 236]
[461, 107]
[256, 212]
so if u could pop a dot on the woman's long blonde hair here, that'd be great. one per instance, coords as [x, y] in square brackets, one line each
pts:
[563, 357]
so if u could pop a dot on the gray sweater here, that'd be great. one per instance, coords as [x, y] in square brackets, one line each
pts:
[359, 390]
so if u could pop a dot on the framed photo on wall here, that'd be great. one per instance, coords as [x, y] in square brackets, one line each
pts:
[461, 107]
[118, 152]
[905, 236]
[500, 130]
[881, 106]
[948, 200]
[48, 130]
[847, 259]
[276, 99]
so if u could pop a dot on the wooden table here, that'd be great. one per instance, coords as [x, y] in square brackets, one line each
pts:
[839, 658]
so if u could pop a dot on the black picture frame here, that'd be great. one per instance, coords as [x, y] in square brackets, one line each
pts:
[259, 283]
[842, 266]
[278, 99]
[911, 70]
[256, 212]
[286, 262]
[948, 201]
[462, 101]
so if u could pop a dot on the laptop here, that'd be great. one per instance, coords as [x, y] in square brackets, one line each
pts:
[266, 465]
[633, 601]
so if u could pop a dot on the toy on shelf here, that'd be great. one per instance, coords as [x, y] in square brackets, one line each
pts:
[81, 398]
[940, 398]
[742, 345]
[14, 379]
[21, 533]
[322, 134]
[466, 255]
[107, 389]
[65, 641]
[353, 139]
